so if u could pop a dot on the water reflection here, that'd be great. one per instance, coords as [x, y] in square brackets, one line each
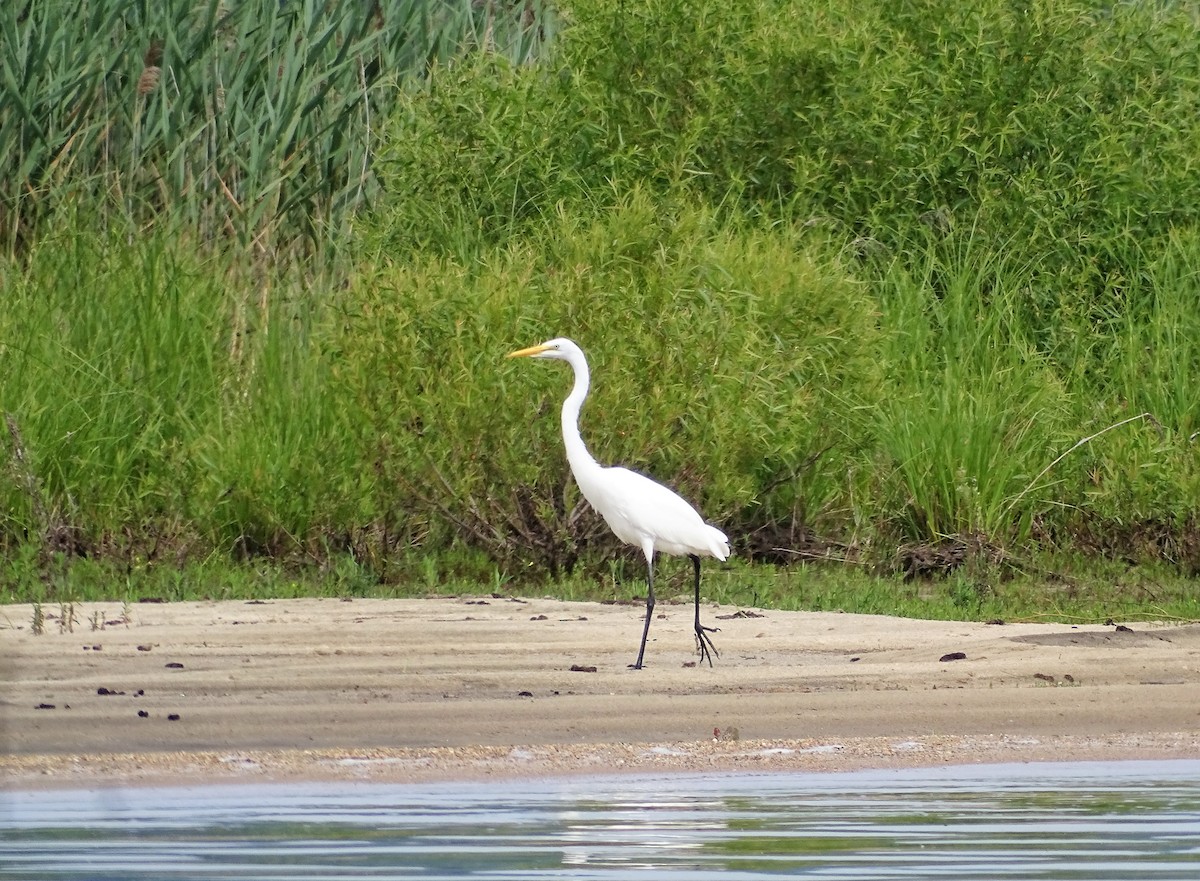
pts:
[1047, 821]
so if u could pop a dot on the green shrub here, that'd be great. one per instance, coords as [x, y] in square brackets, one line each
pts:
[1060, 132]
[727, 362]
[868, 275]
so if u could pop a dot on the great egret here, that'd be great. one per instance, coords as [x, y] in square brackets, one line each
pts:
[639, 511]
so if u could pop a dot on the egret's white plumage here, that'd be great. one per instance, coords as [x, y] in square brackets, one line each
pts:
[639, 511]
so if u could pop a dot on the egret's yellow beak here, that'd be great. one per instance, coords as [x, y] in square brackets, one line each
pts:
[525, 353]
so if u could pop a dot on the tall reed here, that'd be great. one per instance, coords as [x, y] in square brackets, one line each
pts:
[256, 120]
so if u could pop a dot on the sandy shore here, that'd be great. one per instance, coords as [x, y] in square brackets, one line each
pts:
[409, 690]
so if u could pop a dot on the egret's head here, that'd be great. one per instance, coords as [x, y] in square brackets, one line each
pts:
[559, 349]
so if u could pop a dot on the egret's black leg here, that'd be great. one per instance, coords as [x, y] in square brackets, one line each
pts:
[649, 611]
[703, 644]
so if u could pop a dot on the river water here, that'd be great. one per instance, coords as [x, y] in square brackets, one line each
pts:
[1119, 820]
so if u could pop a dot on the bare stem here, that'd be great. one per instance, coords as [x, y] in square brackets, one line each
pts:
[1079, 443]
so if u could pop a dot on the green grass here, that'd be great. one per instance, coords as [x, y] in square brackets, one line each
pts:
[1080, 591]
[907, 288]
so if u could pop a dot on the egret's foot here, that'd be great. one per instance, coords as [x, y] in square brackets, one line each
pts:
[704, 645]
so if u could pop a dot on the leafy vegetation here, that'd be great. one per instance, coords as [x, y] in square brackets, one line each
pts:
[904, 287]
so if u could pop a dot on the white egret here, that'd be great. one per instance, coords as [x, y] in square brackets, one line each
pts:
[639, 511]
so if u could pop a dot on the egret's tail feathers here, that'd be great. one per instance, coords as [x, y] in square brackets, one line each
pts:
[718, 543]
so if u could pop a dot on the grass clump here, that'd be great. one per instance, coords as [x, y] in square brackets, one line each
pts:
[174, 410]
[972, 406]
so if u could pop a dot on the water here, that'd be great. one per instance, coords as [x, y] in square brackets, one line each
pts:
[1126, 820]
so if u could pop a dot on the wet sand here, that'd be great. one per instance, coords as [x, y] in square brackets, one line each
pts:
[457, 688]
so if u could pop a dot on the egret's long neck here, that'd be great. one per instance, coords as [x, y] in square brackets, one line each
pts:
[580, 459]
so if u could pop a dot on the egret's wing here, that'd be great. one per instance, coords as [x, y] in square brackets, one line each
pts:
[636, 507]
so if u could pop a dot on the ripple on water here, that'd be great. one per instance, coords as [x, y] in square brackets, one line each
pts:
[1032, 821]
